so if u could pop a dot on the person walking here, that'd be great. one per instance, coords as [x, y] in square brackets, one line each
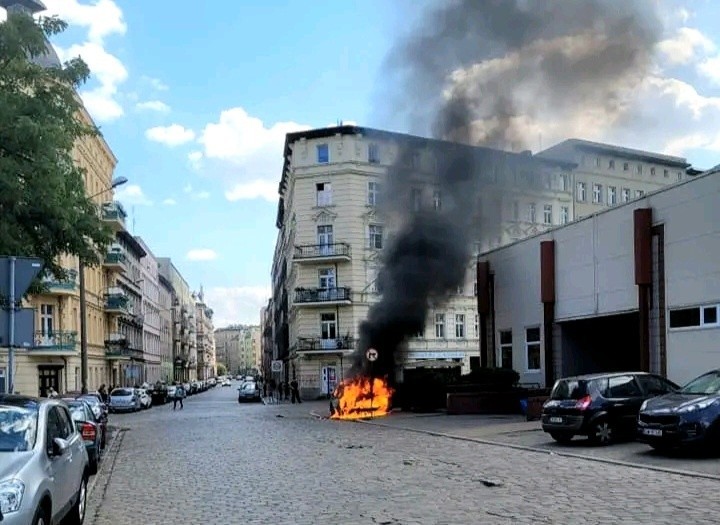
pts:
[103, 393]
[179, 396]
[295, 391]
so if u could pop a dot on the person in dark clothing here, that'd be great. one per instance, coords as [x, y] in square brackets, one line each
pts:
[295, 391]
[103, 393]
[179, 396]
[286, 390]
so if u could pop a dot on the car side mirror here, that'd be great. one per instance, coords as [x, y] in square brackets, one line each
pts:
[59, 447]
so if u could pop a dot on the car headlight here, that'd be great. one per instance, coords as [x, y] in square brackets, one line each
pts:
[644, 405]
[702, 405]
[11, 494]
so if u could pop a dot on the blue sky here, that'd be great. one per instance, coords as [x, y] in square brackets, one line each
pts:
[195, 102]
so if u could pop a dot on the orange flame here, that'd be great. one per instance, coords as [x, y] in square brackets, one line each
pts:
[361, 398]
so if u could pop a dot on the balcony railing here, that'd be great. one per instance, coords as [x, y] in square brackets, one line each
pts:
[116, 300]
[123, 353]
[114, 211]
[114, 259]
[318, 344]
[322, 295]
[65, 286]
[116, 339]
[339, 250]
[59, 340]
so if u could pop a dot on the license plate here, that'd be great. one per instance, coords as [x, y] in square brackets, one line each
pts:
[652, 432]
[556, 420]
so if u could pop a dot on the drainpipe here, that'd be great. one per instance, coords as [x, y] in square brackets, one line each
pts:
[66, 372]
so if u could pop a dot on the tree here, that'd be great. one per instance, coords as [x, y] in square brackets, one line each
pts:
[221, 370]
[44, 209]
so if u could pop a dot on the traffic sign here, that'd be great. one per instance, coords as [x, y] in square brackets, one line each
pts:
[24, 328]
[371, 354]
[26, 269]
[276, 366]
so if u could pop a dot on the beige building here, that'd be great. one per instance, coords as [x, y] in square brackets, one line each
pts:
[165, 295]
[150, 287]
[628, 288]
[239, 348]
[331, 235]
[206, 356]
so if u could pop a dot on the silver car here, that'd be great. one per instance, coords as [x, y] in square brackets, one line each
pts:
[43, 463]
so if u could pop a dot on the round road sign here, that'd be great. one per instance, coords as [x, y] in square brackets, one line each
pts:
[371, 354]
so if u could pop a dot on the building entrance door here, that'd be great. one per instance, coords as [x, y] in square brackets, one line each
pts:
[49, 376]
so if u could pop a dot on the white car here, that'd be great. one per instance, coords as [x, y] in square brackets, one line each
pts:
[226, 383]
[145, 399]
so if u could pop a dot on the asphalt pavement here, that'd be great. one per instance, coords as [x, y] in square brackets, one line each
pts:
[218, 461]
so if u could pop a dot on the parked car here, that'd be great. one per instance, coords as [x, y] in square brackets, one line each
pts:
[171, 392]
[89, 428]
[124, 400]
[600, 406]
[144, 398]
[686, 417]
[100, 410]
[159, 394]
[44, 466]
[248, 392]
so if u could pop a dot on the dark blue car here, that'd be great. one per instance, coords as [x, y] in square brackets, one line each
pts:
[689, 416]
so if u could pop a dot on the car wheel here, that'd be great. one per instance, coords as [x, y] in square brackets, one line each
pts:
[41, 517]
[77, 514]
[561, 437]
[601, 432]
[93, 464]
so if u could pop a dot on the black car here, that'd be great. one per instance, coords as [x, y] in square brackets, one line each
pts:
[600, 406]
[689, 416]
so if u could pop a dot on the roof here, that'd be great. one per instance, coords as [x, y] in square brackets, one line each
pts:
[414, 140]
[49, 58]
[132, 243]
[556, 152]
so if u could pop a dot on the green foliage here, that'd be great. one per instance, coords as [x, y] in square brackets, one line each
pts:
[44, 209]
[221, 369]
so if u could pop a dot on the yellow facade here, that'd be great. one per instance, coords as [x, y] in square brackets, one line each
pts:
[55, 358]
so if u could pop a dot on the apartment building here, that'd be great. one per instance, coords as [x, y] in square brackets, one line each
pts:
[608, 175]
[185, 357]
[150, 286]
[266, 340]
[206, 353]
[165, 298]
[238, 348]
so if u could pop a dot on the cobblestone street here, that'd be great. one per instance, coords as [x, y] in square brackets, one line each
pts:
[220, 462]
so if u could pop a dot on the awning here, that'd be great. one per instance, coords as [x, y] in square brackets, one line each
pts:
[432, 363]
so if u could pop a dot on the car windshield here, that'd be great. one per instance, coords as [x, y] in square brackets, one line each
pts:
[569, 389]
[249, 386]
[91, 399]
[77, 411]
[121, 392]
[18, 428]
[706, 384]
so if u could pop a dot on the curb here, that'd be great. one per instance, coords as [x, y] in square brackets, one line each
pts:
[108, 462]
[617, 462]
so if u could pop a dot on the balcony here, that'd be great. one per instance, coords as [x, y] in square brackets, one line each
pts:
[322, 296]
[57, 343]
[116, 339]
[114, 261]
[118, 353]
[68, 286]
[317, 345]
[116, 301]
[113, 214]
[322, 252]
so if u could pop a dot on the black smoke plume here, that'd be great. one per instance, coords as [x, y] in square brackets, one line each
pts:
[495, 73]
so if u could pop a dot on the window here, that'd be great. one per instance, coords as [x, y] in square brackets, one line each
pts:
[375, 236]
[416, 199]
[611, 164]
[326, 278]
[437, 201]
[597, 162]
[597, 193]
[440, 326]
[626, 166]
[679, 176]
[328, 326]
[516, 211]
[475, 288]
[654, 385]
[373, 193]
[639, 169]
[505, 358]
[666, 173]
[564, 215]
[639, 194]
[46, 319]
[531, 212]
[2, 381]
[547, 214]
[324, 193]
[652, 171]
[460, 326]
[460, 289]
[325, 235]
[532, 348]
[416, 159]
[694, 317]
[323, 154]
[581, 192]
[477, 326]
[612, 195]
[620, 387]
[626, 195]
[373, 154]
[564, 182]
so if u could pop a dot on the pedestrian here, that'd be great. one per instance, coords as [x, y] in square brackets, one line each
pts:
[286, 390]
[295, 391]
[103, 393]
[264, 389]
[179, 396]
[52, 392]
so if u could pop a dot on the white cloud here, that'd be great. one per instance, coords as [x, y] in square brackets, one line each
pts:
[257, 189]
[240, 304]
[710, 68]
[153, 105]
[172, 135]
[132, 195]
[251, 152]
[682, 48]
[101, 19]
[156, 84]
[195, 158]
[201, 254]
[169, 202]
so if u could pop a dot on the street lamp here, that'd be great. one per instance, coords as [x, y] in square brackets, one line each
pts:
[118, 181]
